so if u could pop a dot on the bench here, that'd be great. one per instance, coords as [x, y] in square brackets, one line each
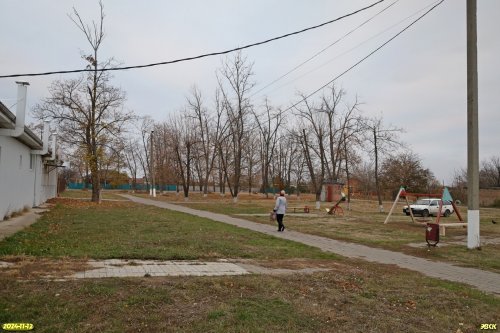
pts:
[442, 227]
[302, 209]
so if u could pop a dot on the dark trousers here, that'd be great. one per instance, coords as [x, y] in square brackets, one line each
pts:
[279, 218]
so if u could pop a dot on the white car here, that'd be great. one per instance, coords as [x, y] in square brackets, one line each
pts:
[429, 207]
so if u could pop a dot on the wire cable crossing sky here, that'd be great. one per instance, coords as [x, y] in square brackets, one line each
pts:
[418, 84]
[199, 56]
[366, 57]
[324, 49]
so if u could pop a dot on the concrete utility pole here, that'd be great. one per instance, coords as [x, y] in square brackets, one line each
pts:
[473, 239]
[153, 189]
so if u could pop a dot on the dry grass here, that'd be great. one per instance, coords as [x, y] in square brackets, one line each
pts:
[351, 296]
[363, 224]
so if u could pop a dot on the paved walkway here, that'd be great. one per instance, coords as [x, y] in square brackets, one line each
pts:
[143, 268]
[483, 280]
[13, 225]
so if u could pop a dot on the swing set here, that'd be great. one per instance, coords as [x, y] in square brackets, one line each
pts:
[445, 196]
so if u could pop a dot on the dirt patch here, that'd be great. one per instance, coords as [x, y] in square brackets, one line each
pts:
[32, 268]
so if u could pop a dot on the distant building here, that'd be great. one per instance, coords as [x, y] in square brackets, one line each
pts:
[332, 191]
[28, 168]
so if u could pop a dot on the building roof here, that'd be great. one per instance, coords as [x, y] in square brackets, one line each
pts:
[8, 121]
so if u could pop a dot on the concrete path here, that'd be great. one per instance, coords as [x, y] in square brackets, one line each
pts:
[144, 268]
[13, 225]
[141, 268]
[483, 280]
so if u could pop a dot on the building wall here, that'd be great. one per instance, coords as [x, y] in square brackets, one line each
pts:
[16, 177]
[48, 186]
[24, 181]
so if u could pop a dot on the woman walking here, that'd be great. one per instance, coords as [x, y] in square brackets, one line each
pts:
[280, 209]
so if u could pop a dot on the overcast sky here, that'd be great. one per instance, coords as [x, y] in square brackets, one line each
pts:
[417, 82]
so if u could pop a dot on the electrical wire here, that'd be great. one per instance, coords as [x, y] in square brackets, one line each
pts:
[323, 50]
[364, 58]
[353, 48]
[199, 56]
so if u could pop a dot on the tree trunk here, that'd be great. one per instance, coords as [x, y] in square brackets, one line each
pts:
[377, 183]
[96, 180]
[348, 178]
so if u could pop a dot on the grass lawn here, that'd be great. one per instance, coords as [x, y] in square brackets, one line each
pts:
[83, 229]
[355, 296]
[352, 296]
[364, 224]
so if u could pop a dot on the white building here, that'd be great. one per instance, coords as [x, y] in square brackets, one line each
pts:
[28, 169]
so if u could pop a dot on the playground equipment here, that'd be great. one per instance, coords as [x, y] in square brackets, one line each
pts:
[336, 210]
[432, 234]
[445, 196]
[300, 209]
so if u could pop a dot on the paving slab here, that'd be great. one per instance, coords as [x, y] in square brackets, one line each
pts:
[141, 268]
[482, 280]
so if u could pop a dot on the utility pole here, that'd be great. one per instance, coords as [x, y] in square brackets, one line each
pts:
[153, 190]
[473, 239]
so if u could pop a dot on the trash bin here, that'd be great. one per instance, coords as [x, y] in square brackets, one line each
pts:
[432, 234]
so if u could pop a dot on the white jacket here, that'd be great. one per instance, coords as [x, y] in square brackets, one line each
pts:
[280, 206]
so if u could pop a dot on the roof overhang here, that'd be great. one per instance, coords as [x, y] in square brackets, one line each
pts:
[8, 121]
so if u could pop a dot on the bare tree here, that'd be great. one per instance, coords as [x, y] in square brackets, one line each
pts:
[78, 162]
[330, 107]
[351, 159]
[88, 109]
[383, 141]
[267, 124]
[208, 132]
[251, 159]
[343, 127]
[311, 134]
[235, 83]
[364, 172]
[282, 161]
[298, 162]
[405, 169]
[489, 174]
[131, 149]
[146, 125]
[182, 143]
[289, 153]
[459, 178]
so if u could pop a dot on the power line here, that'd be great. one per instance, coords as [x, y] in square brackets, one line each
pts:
[199, 56]
[364, 58]
[324, 49]
[353, 48]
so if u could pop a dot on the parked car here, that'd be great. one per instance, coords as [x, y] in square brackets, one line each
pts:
[429, 207]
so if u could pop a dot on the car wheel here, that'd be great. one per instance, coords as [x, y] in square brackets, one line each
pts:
[425, 213]
[407, 214]
[447, 213]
